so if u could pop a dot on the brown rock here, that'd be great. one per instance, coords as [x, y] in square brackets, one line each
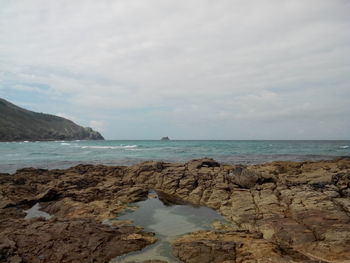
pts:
[301, 210]
[230, 246]
[74, 240]
[244, 178]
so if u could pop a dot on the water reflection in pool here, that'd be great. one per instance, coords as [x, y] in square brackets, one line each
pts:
[168, 221]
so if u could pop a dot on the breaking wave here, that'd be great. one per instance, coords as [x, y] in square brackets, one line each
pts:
[110, 147]
[344, 146]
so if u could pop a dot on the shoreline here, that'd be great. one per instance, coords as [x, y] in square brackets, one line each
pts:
[62, 155]
[242, 159]
[284, 211]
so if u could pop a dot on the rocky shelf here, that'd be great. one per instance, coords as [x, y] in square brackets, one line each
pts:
[283, 211]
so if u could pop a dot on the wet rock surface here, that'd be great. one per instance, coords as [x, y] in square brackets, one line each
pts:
[284, 211]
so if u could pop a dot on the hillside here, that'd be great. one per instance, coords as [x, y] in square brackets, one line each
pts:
[18, 124]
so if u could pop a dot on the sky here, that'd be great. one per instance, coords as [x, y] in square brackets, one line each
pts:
[192, 69]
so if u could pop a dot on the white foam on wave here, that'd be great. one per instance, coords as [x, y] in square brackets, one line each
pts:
[130, 146]
[65, 143]
[110, 147]
[21, 142]
[344, 146]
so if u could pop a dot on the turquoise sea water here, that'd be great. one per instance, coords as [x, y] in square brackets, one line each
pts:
[62, 154]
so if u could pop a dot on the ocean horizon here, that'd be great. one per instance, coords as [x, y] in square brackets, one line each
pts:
[64, 154]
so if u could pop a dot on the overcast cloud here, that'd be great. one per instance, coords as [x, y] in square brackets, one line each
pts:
[194, 69]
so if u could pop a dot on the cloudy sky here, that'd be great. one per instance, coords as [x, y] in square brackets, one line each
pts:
[193, 69]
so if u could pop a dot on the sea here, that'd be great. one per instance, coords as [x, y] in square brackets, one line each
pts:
[64, 154]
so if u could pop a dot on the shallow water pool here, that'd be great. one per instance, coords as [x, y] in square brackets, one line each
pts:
[168, 221]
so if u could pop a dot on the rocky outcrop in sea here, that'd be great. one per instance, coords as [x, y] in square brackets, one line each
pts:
[280, 211]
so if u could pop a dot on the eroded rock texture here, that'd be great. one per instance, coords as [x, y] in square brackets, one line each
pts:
[283, 211]
[68, 240]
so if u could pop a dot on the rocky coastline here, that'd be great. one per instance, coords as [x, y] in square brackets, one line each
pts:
[282, 211]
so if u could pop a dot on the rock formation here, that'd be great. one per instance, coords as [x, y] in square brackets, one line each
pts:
[18, 124]
[281, 211]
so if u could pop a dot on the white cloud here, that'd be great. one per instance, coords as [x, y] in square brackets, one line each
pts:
[186, 61]
[66, 116]
[28, 88]
[98, 125]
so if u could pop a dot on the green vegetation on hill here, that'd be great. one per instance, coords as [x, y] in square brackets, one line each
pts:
[18, 124]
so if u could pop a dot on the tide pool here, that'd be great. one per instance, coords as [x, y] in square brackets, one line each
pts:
[168, 221]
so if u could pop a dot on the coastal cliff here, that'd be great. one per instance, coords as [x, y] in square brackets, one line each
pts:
[280, 211]
[18, 124]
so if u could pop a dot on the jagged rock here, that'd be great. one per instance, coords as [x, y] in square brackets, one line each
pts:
[299, 210]
[244, 177]
[73, 240]
[230, 246]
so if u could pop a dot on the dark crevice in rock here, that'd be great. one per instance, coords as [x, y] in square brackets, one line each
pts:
[295, 206]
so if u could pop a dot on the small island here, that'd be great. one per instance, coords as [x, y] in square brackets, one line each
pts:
[166, 138]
